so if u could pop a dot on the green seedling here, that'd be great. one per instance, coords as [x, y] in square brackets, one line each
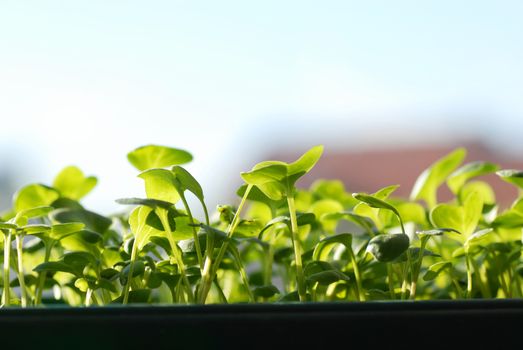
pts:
[281, 243]
[387, 247]
[463, 219]
[427, 184]
[277, 181]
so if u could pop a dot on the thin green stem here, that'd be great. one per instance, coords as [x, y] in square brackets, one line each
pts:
[313, 292]
[127, 286]
[244, 277]
[206, 283]
[268, 262]
[404, 281]
[6, 294]
[300, 278]
[163, 215]
[485, 292]
[209, 251]
[417, 267]
[88, 296]
[390, 276]
[504, 285]
[221, 294]
[43, 275]
[194, 232]
[21, 276]
[469, 275]
[360, 294]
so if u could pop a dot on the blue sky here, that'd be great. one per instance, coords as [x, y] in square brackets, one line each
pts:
[84, 82]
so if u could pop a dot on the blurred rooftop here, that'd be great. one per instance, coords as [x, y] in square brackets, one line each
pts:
[369, 170]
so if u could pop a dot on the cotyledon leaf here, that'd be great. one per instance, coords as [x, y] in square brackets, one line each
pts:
[73, 184]
[155, 156]
[468, 171]
[427, 184]
[512, 176]
[387, 247]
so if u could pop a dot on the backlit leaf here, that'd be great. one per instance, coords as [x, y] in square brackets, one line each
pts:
[154, 156]
[35, 195]
[73, 184]
[428, 182]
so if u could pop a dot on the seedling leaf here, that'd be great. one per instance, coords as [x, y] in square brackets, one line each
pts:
[387, 247]
[154, 156]
[512, 176]
[160, 185]
[73, 184]
[35, 195]
[426, 186]
[457, 179]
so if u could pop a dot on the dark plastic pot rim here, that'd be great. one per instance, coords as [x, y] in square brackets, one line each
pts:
[397, 306]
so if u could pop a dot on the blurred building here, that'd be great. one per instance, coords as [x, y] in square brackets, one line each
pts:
[372, 169]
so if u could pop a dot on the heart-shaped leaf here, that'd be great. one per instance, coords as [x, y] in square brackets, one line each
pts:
[73, 184]
[463, 218]
[154, 156]
[275, 178]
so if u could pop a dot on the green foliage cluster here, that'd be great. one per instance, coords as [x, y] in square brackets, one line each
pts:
[281, 243]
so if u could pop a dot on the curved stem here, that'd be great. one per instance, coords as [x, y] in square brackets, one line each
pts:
[207, 282]
[360, 295]
[194, 232]
[243, 276]
[163, 215]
